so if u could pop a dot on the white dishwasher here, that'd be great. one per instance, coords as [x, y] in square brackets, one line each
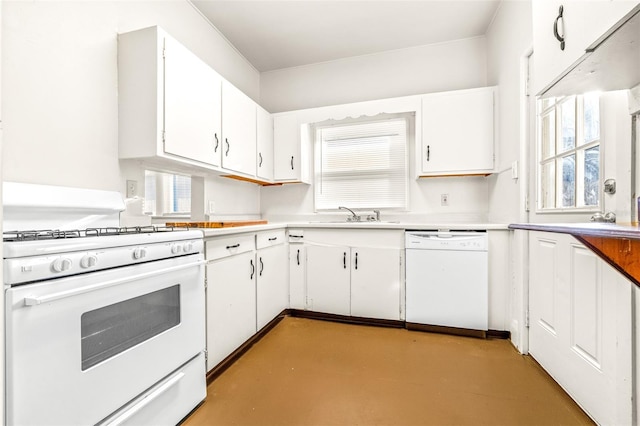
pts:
[447, 279]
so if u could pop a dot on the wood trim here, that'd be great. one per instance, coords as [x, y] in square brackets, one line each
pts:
[447, 330]
[235, 355]
[346, 319]
[620, 253]
[251, 180]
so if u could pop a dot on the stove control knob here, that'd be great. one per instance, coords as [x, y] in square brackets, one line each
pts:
[175, 249]
[188, 246]
[139, 253]
[61, 264]
[88, 261]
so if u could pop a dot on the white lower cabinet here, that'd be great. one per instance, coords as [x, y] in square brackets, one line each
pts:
[329, 279]
[272, 286]
[231, 305]
[580, 326]
[356, 272]
[247, 287]
[375, 282]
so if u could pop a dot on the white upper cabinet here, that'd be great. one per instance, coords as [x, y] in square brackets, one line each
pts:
[264, 157]
[290, 148]
[457, 133]
[581, 24]
[168, 100]
[238, 130]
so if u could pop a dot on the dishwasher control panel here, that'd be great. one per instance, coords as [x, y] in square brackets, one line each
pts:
[450, 240]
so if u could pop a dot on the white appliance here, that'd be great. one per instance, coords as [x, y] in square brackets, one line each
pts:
[447, 279]
[104, 325]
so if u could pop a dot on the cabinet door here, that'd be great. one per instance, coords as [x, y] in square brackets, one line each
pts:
[264, 160]
[582, 24]
[231, 305]
[457, 132]
[580, 325]
[192, 102]
[297, 276]
[375, 283]
[328, 279]
[272, 287]
[238, 130]
[287, 147]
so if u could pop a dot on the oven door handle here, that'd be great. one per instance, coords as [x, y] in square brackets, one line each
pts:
[38, 300]
[171, 382]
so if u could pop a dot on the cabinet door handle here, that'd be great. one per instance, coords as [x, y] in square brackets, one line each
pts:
[261, 266]
[559, 37]
[292, 162]
[428, 152]
[344, 260]
[260, 157]
[233, 246]
[298, 256]
[215, 149]
[273, 238]
[253, 268]
[356, 260]
[228, 146]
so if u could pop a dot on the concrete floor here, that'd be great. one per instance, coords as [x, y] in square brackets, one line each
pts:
[310, 372]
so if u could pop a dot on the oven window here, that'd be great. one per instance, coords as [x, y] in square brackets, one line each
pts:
[113, 329]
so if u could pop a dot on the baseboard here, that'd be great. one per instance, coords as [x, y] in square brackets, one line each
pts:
[347, 319]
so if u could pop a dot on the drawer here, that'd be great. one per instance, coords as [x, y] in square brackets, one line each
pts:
[270, 238]
[217, 248]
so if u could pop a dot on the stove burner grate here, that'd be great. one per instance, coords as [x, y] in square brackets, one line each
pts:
[54, 234]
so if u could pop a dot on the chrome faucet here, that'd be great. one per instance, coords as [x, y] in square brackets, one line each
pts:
[353, 218]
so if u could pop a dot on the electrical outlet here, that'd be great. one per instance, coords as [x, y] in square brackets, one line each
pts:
[444, 199]
[212, 207]
[132, 188]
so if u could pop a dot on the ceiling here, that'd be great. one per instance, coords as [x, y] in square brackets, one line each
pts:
[282, 34]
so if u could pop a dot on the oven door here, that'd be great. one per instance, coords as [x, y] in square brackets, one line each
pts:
[79, 348]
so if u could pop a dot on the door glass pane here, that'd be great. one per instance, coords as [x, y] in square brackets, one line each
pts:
[112, 329]
[548, 186]
[569, 181]
[548, 135]
[568, 114]
[592, 176]
[591, 118]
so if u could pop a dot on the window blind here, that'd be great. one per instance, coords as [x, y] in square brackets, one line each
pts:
[362, 165]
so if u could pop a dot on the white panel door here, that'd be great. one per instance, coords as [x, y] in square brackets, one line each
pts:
[375, 283]
[192, 103]
[580, 325]
[231, 305]
[272, 287]
[239, 130]
[328, 279]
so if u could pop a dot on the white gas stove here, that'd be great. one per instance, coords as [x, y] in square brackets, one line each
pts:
[112, 316]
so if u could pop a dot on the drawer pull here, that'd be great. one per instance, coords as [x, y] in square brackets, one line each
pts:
[273, 238]
[233, 246]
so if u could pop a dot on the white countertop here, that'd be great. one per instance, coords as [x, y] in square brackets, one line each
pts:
[402, 226]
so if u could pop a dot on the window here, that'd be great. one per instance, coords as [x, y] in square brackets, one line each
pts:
[166, 194]
[362, 165]
[569, 153]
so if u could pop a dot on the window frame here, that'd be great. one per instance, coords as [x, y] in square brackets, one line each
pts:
[161, 189]
[315, 129]
[578, 151]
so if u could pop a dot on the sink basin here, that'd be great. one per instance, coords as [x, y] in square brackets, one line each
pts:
[364, 222]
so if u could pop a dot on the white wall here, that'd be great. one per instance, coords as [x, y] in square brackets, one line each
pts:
[60, 83]
[431, 68]
[508, 38]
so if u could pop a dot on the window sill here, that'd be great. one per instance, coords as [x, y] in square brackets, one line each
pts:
[569, 210]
